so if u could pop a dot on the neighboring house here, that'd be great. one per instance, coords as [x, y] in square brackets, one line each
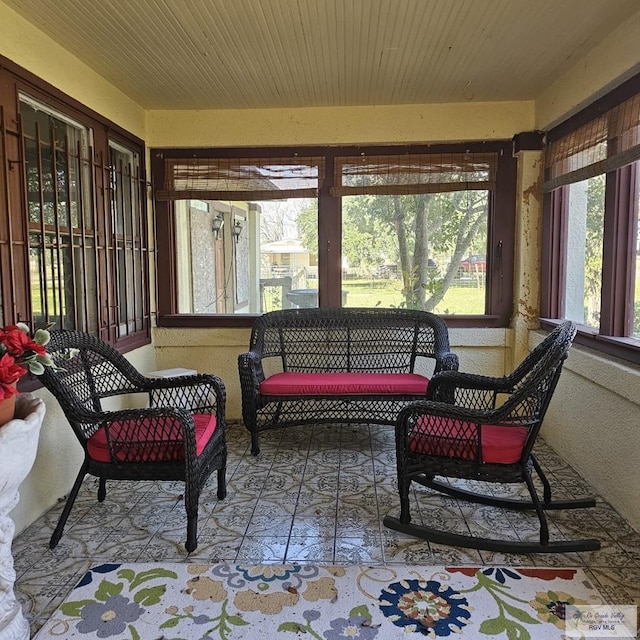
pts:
[288, 258]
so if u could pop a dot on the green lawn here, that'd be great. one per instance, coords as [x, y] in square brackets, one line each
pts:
[459, 299]
[387, 293]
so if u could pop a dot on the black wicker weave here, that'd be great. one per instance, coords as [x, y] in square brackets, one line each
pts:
[435, 438]
[166, 451]
[331, 341]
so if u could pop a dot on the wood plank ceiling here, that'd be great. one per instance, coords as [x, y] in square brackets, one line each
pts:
[212, 54]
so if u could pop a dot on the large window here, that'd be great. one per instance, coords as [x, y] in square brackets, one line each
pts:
[73, 228]
[591, 242]
[415, 230]
[241, 233]
[129, 242]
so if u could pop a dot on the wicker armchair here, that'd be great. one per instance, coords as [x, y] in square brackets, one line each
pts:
[479, 428]
[180, 436]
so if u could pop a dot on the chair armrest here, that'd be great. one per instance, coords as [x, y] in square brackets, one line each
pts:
[412, 412]
[448, 362]
[250, 370]
[475, 392]
[445, 429]
[202, 393]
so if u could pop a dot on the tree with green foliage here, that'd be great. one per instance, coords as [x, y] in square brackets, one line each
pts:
[593, 250]
[409, 230]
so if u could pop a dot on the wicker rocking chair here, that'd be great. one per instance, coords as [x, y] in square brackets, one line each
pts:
[181, 436]
[479, 428]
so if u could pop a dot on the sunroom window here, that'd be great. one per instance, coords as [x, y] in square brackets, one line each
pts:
[414, 230]
[129, 246]
[241, 246]
[636, 271]
[591, 242]
[243, 232]
[62, 264]
[73, 227]
[585, 235]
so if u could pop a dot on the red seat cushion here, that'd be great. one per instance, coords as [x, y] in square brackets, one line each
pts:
[146, 449]
[454, 438]
[344, 384]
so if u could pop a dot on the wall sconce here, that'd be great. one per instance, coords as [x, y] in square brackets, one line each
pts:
[236, 230]
[218, 223]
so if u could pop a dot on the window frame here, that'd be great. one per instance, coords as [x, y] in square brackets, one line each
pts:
[619, 229]
[500, 235]
[14, 252]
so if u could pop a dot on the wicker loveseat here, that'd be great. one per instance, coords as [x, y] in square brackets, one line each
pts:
[347, 365]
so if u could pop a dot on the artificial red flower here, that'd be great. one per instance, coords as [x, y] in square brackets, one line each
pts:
[19, 354]
[10, 373]
[14, 340]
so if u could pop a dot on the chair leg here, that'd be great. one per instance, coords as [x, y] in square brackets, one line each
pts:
[222, 483]
[57, 533]
[255, 447]
[403, 488]
[544, 545]
[192, 533]
[102, 489]
[545, 483]
[191, 500]
[544, 527]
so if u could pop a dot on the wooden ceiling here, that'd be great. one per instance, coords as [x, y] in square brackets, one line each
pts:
[217, 54]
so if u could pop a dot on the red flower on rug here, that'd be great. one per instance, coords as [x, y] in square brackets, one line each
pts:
[543, 574]
[548, 574]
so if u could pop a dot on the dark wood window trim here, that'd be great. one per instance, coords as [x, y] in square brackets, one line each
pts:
[500, 233]
[620, 233]
[14, 259]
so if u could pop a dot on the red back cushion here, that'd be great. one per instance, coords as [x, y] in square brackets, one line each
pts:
[345, 384]
[454, 438]
[148, 446]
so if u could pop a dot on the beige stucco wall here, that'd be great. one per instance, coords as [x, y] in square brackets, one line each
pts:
[340, 125]
[614, 59]
[593, 422]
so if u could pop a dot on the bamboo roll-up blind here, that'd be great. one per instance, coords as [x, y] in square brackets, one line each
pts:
[241, 178]
[606, 143]
[414, 173]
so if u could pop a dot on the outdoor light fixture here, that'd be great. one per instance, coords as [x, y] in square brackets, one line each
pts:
[236, 230]
[218, 223]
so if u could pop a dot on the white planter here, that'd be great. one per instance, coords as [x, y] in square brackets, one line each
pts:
[18, 448]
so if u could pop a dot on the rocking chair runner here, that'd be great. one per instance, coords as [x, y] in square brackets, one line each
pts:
[181, 436]
[480, 428]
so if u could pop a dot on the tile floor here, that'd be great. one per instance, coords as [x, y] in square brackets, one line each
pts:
[312, 495]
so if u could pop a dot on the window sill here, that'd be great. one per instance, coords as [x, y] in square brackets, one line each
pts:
[246, 320]
[623, 348]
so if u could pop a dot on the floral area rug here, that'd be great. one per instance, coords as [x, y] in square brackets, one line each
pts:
[257, 602]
